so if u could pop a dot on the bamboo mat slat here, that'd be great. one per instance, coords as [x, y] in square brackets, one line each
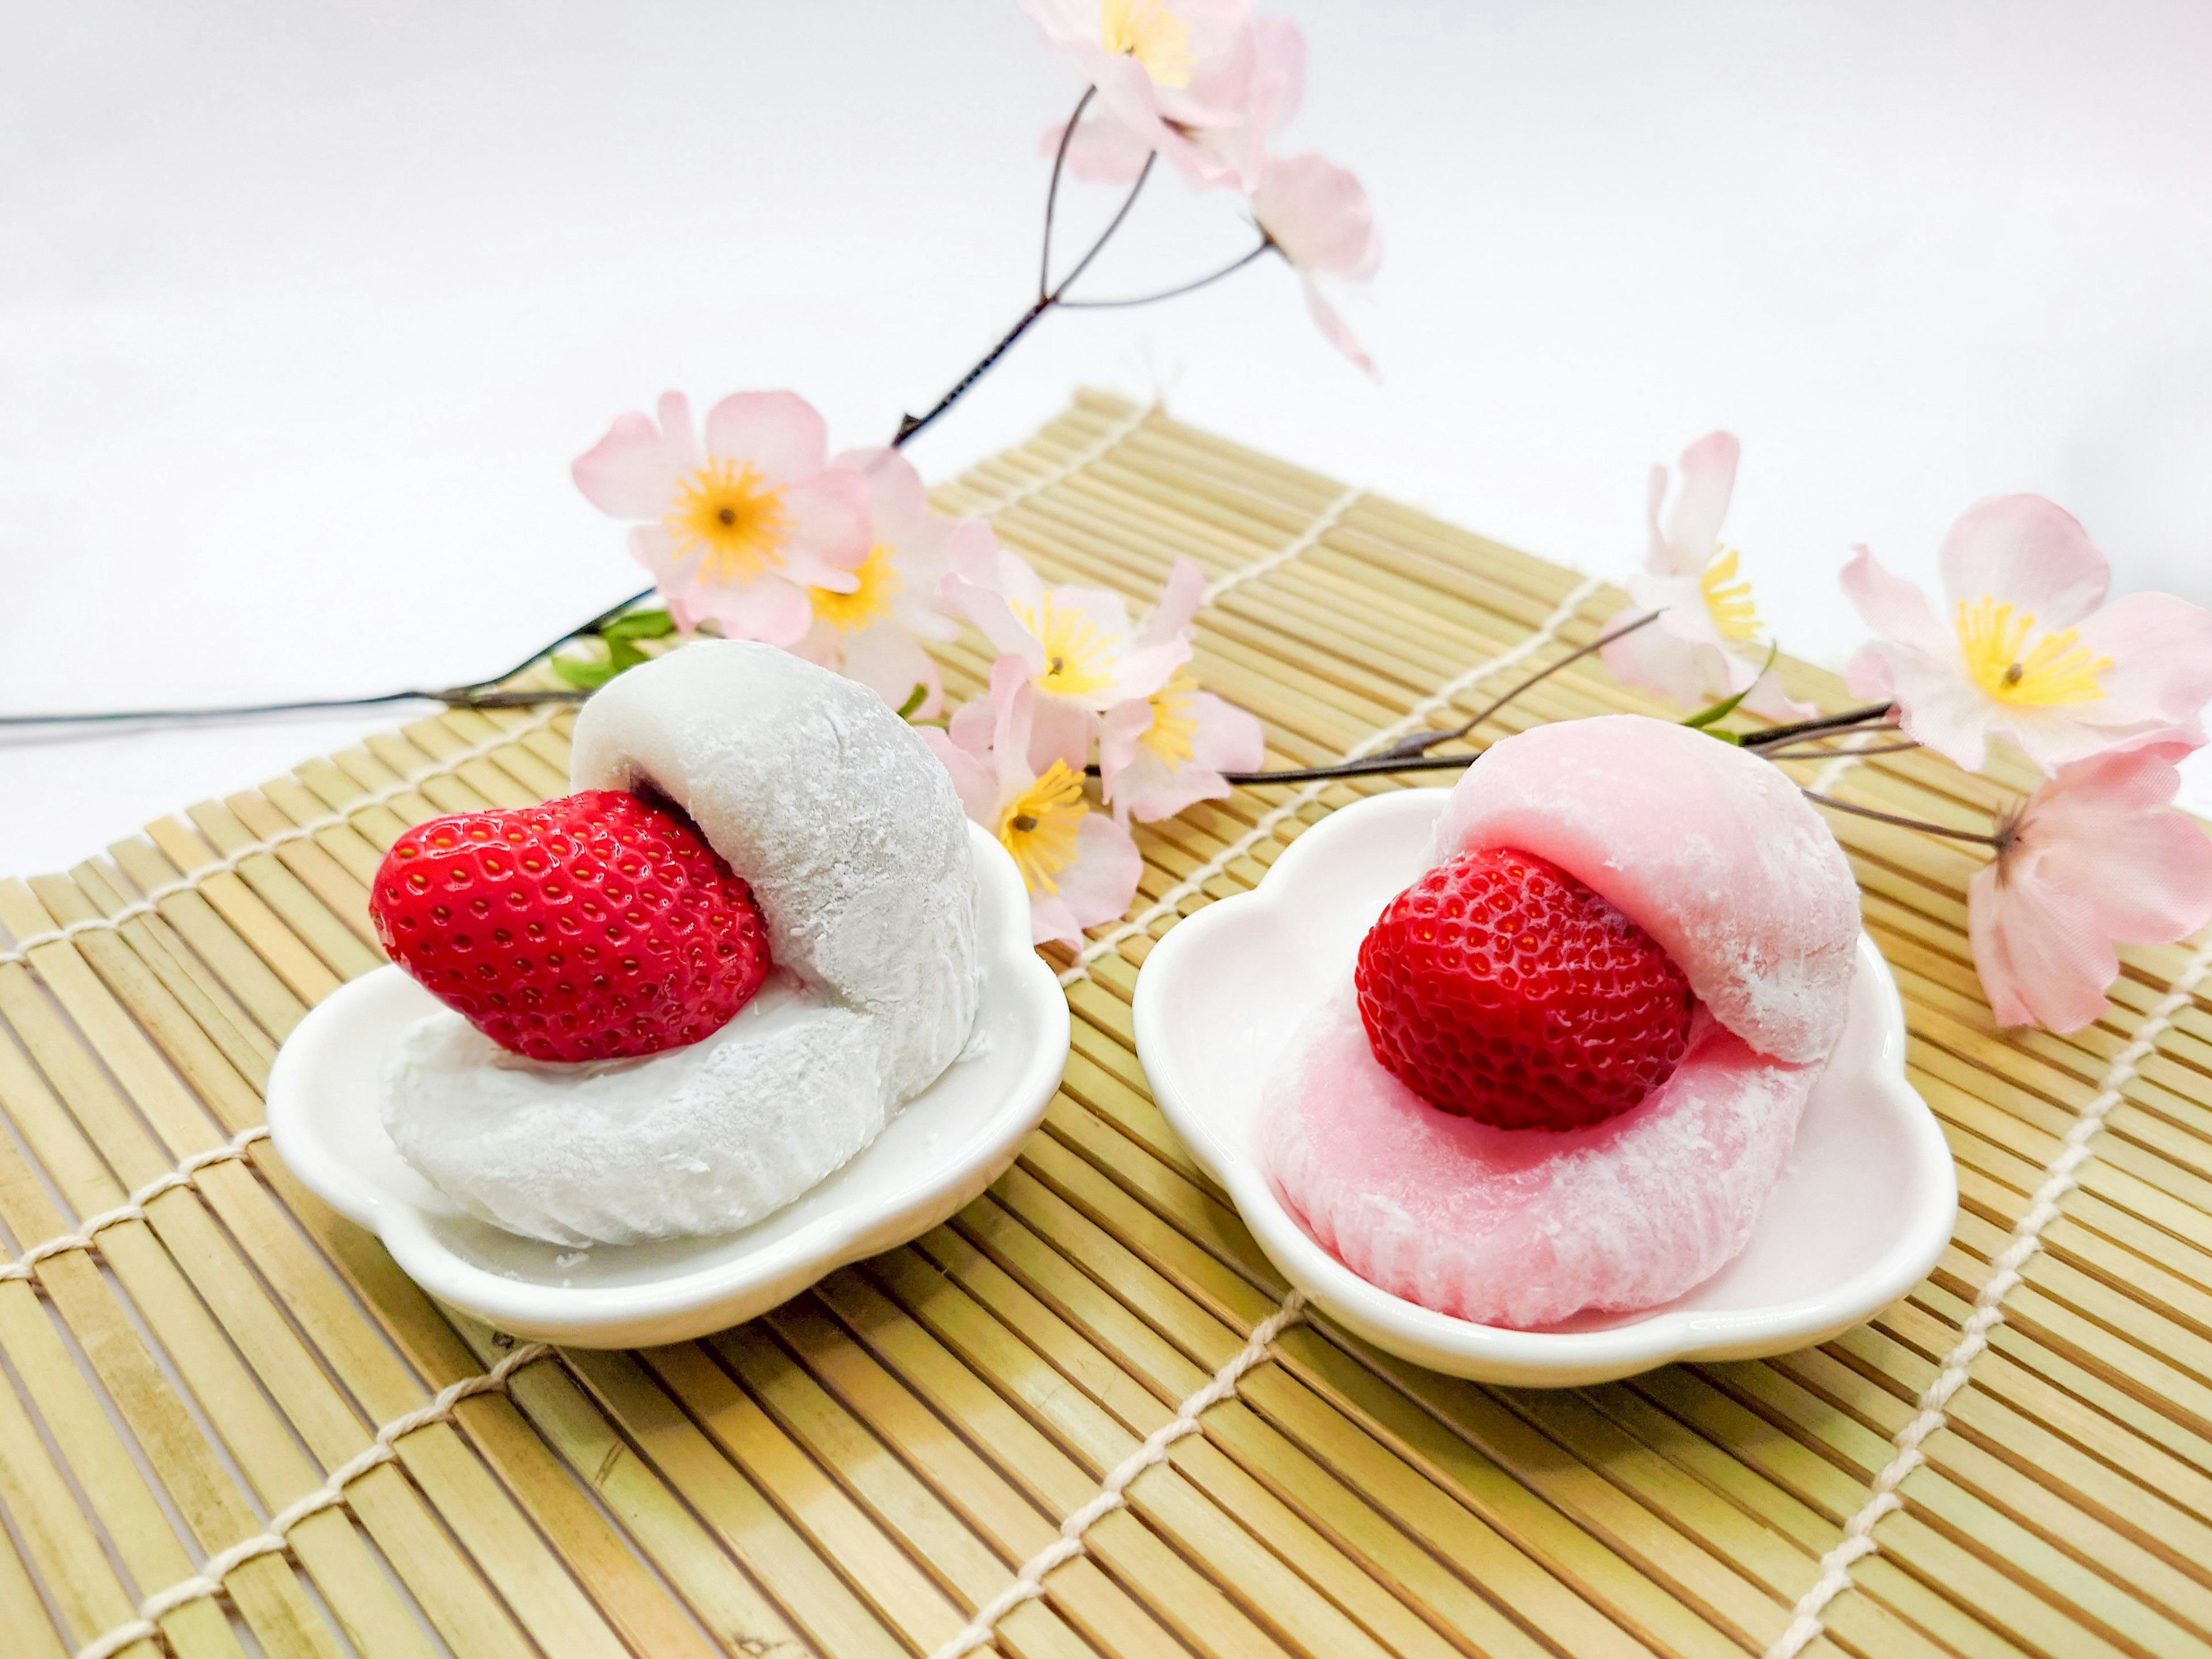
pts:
[190, 1345]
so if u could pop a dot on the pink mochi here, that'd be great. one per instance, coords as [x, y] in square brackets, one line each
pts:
[1711, 850]
[1524, 1227]
[1715, 854]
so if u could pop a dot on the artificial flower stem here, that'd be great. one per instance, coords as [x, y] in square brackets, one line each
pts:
[1052, 190]
[1230, 269]
[1905, 823]
[909, 425]
[1837, 754]
[1866, 714]
[1420, 742]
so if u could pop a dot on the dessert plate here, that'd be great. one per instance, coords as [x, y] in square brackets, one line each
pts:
[1864, 1210]
[948, 1144]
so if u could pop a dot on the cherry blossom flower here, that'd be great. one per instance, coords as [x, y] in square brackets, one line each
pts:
[1080, 866]
[1172, 76]
[2032, 652]
[737, 530]
[1075, 643]
[1706, 646]
[873, 633]
[1158, 754]
[1319, 216]
[1235, 151]
[2097, 856]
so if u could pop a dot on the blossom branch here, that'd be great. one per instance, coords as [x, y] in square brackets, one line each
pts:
[1903, 822]
[1228, 270]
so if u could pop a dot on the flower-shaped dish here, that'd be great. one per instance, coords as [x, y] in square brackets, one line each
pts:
[948, 1144]
[1864, 1210]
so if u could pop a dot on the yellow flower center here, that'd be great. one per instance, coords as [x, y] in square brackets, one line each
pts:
[1038, 826]
[1173, 724]
[1078, 658]
[2056, 669]
[1148, 31]
[880, 583]
[1727, 601]
[726, 515]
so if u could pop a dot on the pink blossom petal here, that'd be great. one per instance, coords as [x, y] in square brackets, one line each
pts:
[1178, 603]
[1096, 888]
[1104, 149]
[2038, 954]
[630, 473]
[1654, 659]
[1228, 739]
[1770, 701]
[886, 660]
[1013, 702]
[984, 582]
[1939, 705]
[2027, 550]
[828, 522]
[1337, 332]
[1317, 212]
[769, 610]
[1060, 730]
[2161, 676]
[898, 501]
[1693, 528]
[1121, 735]
[777, 433]
[1894, 608]
[973, 778]
[972, 725]
[655, 549]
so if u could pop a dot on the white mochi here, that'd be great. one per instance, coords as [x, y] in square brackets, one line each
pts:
[856, 848]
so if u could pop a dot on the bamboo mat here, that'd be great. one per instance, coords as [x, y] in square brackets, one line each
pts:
[201, 1362]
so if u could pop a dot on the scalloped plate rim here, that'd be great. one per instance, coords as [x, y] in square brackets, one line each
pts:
[1497, 1354]
[684, 1303]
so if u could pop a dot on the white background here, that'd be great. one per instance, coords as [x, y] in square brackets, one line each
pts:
[304, 309]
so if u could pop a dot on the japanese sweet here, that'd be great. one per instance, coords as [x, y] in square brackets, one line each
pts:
[1567, 1068]
[680, 997]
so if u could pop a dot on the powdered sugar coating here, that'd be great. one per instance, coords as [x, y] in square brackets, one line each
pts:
[704, 1139]
[1525, 1227]
[857, 851]
[1710, 849]
[825, 801]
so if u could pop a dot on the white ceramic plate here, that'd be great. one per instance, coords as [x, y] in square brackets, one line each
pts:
[1865, 1208]
[949, 1143]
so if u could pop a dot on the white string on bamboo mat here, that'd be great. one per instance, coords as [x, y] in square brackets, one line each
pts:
[1414, 720]
[1095, 450]
[191, 883]
[133, 1208]
[2006, 1273]
[1307, 539]
[1113, 1492]
[271, 1540]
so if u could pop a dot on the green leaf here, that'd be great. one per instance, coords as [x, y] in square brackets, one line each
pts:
[621, 655]
[915, 700]
[1722, 709]
[639, 625]
[583, 672]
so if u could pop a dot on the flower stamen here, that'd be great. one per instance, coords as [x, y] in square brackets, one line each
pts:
[1727, 601]
[1039, 826]
[1077, 657]
[730, 518]
[1148, 31]
[2056, 670]
[880, 584]
[1174, 725]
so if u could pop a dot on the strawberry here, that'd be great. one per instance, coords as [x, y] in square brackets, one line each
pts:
[595, 926]
[1499, 987]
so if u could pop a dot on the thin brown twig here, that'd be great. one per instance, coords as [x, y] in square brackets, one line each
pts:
[1906, 824]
